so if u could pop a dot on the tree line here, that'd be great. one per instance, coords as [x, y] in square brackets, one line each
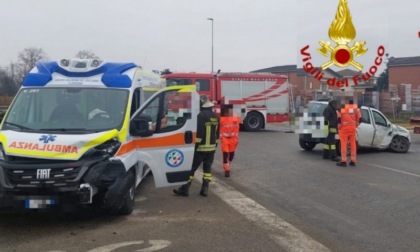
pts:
[11, 76]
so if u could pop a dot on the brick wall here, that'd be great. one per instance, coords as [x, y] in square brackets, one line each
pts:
[404, 74]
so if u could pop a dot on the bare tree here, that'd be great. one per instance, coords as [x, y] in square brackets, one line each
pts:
[27, 60]
[86, 54]
[8, 86]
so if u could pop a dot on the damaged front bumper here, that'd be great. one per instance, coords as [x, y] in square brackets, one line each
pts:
[38, 184]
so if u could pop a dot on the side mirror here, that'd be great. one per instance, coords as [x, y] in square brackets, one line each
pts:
[141, 126]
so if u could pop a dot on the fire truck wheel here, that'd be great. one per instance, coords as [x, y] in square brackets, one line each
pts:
[253, 121]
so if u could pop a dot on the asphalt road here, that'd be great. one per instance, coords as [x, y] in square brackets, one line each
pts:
[278, 198]
[372, 207]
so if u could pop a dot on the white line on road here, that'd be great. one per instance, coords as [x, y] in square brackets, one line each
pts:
[282, 232]
[112, 247]
[395, 170]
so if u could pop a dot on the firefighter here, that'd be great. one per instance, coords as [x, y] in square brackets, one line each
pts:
[330, 119]
[206, 141]
[229, 132]
[349, 119]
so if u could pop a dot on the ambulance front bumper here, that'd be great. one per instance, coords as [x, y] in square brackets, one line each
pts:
[61, 184]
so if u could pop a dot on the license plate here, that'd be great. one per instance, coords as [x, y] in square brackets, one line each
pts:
[39, 203]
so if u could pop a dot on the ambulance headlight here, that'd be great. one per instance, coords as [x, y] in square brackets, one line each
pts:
[2, 154]
[110, 147]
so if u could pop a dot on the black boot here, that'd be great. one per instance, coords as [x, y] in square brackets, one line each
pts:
[183, 190]
[342, 164]
[204, 188]
[326, 154]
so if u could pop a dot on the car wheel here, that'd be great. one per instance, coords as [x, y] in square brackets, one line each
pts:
[306, 145]
[400, 144]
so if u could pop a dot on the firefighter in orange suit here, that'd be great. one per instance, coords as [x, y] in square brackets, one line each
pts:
[229, 132]
[349, 119]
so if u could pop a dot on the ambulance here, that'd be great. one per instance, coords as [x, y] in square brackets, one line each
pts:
[87, 132]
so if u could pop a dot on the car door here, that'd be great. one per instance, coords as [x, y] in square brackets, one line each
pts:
[381, 138]
[169, 150]
[366, 129]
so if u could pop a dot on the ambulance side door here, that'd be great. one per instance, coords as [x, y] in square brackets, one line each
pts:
[168, 145]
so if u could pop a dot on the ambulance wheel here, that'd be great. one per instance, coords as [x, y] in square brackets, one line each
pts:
[253, 121]
[399, 144]
[306, 145]
[128, 204]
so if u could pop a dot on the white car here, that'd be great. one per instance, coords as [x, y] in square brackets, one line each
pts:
[375, 131]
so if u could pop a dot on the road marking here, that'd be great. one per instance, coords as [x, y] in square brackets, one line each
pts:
[140, 198]
[156, 245]
[282, 232]
[111, 247]
[395, 170]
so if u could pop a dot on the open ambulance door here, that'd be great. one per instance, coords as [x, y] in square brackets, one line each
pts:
[163, 130]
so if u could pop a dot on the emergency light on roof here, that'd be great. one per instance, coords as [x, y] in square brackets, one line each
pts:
[112, 73]
[82, 63]
[65, 62]
[95, 63]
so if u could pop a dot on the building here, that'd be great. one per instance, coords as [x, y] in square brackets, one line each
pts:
[404, 84]
[365, 92]
[305, 87]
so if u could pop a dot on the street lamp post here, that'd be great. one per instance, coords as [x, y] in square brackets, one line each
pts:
[212, 51]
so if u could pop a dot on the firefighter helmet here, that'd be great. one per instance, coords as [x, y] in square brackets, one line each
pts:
[205, 102]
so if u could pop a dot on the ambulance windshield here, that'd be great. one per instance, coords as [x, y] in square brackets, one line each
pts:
[67, 109]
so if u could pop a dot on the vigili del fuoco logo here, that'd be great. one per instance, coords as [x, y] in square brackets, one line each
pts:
[342, 55]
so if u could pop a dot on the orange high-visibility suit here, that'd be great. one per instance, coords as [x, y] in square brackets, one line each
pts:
[349, 119]
[229, 132]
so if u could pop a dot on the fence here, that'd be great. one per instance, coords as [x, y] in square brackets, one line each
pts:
[401, 116]
[5, 100]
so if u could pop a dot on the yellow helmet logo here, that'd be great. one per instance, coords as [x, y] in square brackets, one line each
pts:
[342, 32]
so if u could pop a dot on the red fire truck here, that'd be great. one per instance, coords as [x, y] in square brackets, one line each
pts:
[258, 98]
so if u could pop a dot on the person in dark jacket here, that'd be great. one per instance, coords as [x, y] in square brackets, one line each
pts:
[205, 146]
[330, 119]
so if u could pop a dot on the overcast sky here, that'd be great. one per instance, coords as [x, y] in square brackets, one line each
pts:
[175, 34]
